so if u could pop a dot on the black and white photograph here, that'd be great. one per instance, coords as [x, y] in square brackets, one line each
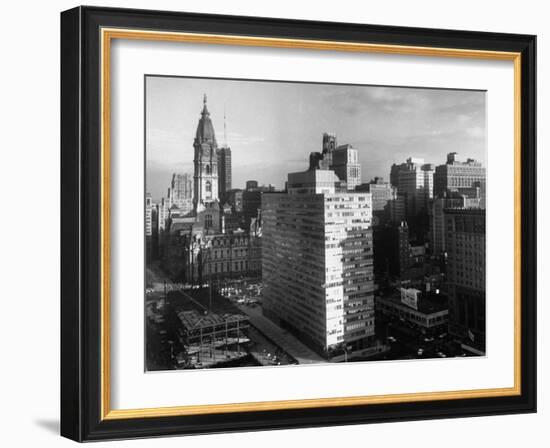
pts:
[291, 223]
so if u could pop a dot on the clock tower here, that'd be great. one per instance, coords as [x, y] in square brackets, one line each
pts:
[205, 163]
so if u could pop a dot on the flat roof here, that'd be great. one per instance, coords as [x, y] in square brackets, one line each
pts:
[426, 304]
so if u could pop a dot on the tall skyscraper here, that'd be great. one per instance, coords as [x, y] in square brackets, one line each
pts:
[329, 145]
[317, 262]
[465, 242]
[414, 180]
[343, 160]
[224, 172]
[163, 212]
[345, 163]
[205, 162]
[391, 250]
[456, 175]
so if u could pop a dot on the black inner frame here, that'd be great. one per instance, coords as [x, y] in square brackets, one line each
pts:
[81, 223]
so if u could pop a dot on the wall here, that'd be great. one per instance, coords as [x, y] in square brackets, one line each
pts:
[29, 108]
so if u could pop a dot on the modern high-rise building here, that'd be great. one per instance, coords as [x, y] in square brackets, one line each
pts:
[465, 243]
[317, 262]
[180, 192]
[414, 180]
[224, 172]
[455, 175]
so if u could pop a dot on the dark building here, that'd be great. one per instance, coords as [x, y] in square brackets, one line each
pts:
[252, 199]
[224, 172]
[424, 310]
[414, 182]
[329, 145]
[252, 202]
[251, 184]
[391, 251]
[465, 243]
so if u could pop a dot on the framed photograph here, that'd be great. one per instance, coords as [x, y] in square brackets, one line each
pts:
[275, 224]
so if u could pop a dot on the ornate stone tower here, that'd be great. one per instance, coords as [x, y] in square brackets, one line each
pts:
[206, 163]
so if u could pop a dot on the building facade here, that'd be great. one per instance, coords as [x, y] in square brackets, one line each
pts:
[180, 192]
[391, 251]
[235, 200]
[383, 194]
[450, 200]
[465, 242]
[233, 255]
[455, 175]
[428, 312]
[148, 215]
[414, 180]
[163, 212]
[317, 262]
[345, 163]
[224, 172]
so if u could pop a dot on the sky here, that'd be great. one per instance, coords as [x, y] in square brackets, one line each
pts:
[272, 127]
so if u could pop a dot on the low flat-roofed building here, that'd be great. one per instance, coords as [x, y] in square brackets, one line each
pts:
[427, 311]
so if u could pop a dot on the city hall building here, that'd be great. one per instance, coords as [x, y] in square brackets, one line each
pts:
[317, 262]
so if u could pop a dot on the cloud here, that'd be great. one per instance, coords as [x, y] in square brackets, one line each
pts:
[239, 139]
[476, 132]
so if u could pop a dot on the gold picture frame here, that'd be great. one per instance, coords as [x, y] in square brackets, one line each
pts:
[107, 30]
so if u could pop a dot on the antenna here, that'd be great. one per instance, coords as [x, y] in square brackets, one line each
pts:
[224, 129]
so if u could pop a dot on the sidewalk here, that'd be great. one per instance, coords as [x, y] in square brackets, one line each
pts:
[282, 338]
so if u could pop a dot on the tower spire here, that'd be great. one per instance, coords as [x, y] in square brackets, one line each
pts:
[224, 128]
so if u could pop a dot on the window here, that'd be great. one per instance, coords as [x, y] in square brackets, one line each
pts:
[208, 169]
[208, 188]
[208, 221]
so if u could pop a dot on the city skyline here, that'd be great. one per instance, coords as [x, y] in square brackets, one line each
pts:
[324, 265]
[273, 126]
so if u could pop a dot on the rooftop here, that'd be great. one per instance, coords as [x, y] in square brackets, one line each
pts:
[428, 303]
